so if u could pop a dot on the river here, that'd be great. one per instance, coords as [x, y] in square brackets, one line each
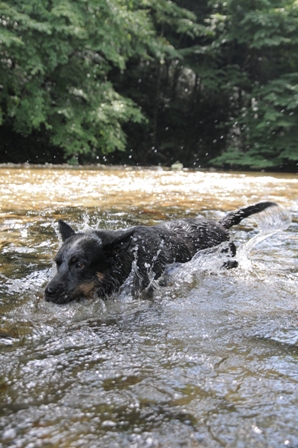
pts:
[210, 361]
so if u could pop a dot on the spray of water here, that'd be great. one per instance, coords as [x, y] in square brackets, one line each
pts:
[269, 222]
[215, 259]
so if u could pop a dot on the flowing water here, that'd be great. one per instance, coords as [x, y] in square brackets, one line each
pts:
[210, 361]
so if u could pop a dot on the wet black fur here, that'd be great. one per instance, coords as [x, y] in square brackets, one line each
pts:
[99, 261]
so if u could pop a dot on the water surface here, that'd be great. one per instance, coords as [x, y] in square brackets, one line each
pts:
[211, 361]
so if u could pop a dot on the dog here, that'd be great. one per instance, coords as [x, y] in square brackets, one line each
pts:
[98, 262]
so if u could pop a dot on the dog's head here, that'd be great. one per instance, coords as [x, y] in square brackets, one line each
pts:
[84, 262]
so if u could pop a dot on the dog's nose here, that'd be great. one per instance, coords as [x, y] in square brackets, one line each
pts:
[54, 292]
[48, 294]
[50, 291]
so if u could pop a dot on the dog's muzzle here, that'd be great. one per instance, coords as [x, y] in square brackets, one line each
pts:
[55, 294]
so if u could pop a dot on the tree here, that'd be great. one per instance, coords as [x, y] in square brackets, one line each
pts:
[156, 85]
[208, 83]
[260, 41]
[55, 60]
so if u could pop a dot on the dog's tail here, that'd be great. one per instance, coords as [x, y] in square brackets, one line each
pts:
[235, 217]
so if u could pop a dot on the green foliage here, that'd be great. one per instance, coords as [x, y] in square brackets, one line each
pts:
[55, 60]
[264, 135]
[261, 40]
[151, 81]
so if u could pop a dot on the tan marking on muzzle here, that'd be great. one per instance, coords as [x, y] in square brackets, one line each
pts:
[85, 289]
[100, 276]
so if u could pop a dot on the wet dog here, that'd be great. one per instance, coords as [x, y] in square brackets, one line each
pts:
[99, 261]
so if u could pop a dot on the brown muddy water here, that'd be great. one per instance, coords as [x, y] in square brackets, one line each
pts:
[211, 361]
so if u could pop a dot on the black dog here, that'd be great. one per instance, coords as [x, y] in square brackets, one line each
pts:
[99, 261]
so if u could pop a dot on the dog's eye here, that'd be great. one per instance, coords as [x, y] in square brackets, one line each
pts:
[79, 265]
[74, 262]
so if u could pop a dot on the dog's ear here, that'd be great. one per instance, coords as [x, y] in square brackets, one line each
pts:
[118, 241]
[65, 230]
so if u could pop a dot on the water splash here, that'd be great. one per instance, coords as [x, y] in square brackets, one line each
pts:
[269, 222]
[215, 259]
